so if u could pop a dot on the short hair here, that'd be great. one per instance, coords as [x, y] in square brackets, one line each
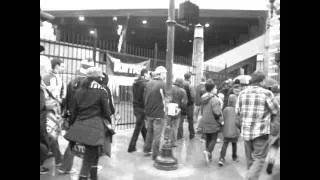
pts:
[237, 81]
[187, 75]
[209, 85]
[143, 71]
[55, 62]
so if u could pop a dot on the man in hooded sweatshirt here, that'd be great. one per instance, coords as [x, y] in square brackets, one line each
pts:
[231, 129]
[138, 88]
[210, 123]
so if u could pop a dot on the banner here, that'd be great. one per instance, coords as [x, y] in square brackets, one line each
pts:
[117, 66]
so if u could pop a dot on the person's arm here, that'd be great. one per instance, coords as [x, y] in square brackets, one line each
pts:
[105, 106]
[184, 98]
[216, 108]
[272, 104]
[238, 105]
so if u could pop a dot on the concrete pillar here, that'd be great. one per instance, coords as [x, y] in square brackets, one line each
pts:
[198, 53]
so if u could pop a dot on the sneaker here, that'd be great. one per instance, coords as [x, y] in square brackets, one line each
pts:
[132, 149]
[221, 162]
[206, 157]
[44, 170]
[72, 171]
[147, 153]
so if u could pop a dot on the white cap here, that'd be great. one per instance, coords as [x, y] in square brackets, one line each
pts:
[94, 72]
[160, 69]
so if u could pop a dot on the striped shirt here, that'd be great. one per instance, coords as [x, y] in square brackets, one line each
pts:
[255, 106]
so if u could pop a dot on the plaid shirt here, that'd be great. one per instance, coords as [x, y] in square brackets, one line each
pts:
[255, 106]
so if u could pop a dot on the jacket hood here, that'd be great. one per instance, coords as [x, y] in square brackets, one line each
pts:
[205, 98]
[232, 100]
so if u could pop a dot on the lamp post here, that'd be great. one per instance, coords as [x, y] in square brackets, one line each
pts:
[165, 159]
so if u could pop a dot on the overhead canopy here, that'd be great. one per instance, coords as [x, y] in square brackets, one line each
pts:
[150, 4]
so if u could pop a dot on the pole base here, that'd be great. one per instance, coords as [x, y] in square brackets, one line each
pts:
[166, 164]
[166, 161]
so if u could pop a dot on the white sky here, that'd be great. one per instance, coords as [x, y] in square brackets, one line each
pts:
[150, 4]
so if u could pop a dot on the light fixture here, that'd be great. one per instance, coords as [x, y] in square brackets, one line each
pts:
[207, 25]
[114, 18]
[144, 22]
[81, 18]
[190, 41]
[92, 32]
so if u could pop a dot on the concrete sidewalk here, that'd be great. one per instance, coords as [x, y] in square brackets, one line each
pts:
[135, 166]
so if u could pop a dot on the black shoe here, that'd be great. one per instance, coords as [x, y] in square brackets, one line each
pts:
[94, 173]
[221, 162]
[44, 170]
[191, 136]
[235, 159]
[132, 149]
[269, 168]
[83, 178]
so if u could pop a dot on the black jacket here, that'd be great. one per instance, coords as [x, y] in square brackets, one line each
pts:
[138, 88]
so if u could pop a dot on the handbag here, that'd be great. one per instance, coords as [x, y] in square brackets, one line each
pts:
[78, 150]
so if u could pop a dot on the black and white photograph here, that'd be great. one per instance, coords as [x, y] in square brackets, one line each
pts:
[160, 90]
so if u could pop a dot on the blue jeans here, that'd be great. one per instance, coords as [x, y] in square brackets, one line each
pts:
[256, 151]
[155, 126]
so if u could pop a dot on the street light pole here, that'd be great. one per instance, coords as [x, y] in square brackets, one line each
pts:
[165, 160]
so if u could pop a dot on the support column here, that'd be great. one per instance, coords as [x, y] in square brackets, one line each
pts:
[198, 53]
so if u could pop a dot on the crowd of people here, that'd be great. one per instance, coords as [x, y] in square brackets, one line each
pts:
[251, 110]
[84, 110]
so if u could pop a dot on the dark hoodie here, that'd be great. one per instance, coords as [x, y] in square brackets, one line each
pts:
[231, 128]
[211, 113]
[138, 88]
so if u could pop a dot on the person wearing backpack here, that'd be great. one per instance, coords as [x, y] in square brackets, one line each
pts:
[188, 111]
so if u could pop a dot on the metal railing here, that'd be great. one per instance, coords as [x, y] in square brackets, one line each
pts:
[72, 49]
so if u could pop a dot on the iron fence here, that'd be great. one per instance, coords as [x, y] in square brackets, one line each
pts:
[73, 48]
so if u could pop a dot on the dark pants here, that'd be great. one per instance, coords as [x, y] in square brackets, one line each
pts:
[140, 127]
[43, 153]
[224, 149]
[67, 161]
[55, 149]
[189, 116]
[90, 160]
[256, 151]
[211, 140]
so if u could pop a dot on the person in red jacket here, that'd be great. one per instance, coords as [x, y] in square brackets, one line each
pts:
[231, 129]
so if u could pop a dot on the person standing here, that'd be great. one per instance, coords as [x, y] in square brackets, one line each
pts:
[91, 115]
[73, 85]
[210, 123]
[231, 130]
[53, 80]
[179, 96]
[256, 105]
[154, 109]
[138, 88]
[188, 111]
